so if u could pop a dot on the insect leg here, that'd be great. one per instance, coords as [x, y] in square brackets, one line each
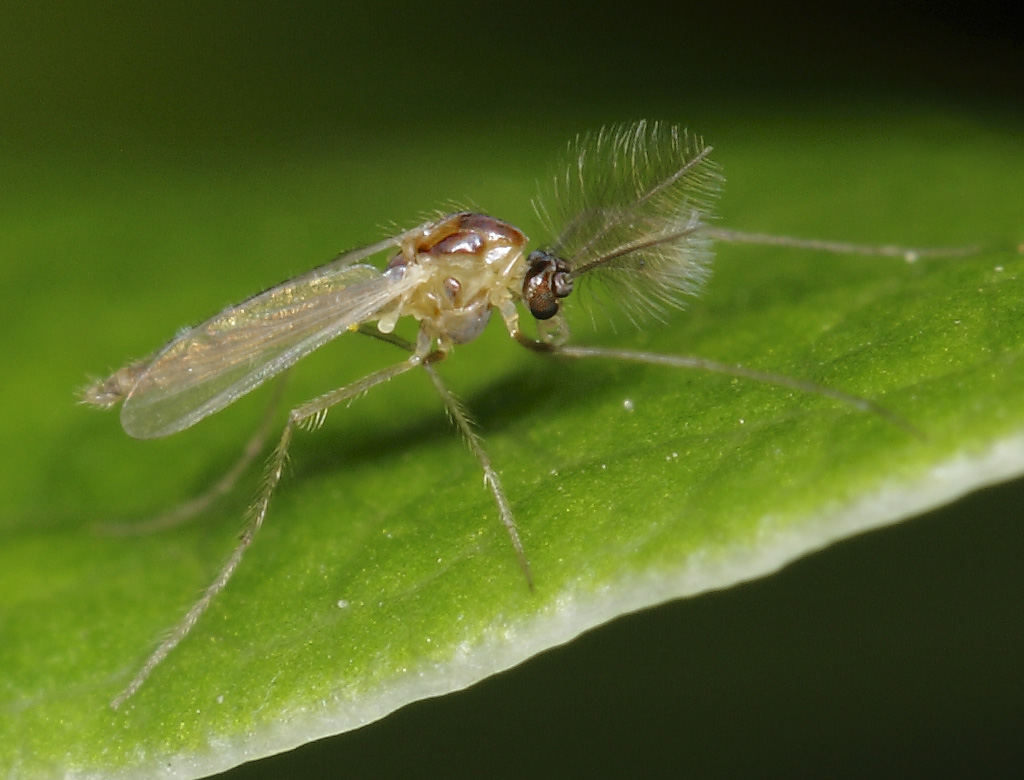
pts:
[910, 254]
[310, 414]
[195, 506]
[704, 364]
[465, 425]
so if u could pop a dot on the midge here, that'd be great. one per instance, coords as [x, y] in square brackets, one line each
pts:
[631, 211]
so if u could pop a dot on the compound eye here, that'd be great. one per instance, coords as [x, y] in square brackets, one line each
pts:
[547, 281]
[540, 297]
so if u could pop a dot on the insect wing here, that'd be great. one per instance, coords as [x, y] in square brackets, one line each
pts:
[213, 364]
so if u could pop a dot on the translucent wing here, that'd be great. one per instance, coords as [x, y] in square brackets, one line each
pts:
[631, 204]
[213, 364]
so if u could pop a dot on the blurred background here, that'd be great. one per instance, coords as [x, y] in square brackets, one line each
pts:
[889, 655]
[128, 80]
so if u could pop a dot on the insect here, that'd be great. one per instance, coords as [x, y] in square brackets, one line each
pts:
[632, 211]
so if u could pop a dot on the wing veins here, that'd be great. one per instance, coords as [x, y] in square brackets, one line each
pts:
[213, 364]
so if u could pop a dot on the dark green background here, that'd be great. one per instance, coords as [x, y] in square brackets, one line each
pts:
[196, 80]
[888, 655]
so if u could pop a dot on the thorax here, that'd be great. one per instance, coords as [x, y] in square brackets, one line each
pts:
[466, 265]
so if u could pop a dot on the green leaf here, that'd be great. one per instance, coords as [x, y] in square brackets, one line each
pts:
[382, 575]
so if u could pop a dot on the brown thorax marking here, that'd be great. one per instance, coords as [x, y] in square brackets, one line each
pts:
[469, 264]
